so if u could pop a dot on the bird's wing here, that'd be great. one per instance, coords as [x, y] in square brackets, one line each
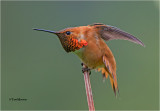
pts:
[108, 70]
[108, 32]
[112, 73]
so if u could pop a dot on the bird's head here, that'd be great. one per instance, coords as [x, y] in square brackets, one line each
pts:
[69, 38]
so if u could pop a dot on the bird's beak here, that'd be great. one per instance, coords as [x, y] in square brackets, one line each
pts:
[54, 32]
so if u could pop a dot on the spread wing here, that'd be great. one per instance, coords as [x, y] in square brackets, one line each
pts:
[110, 33]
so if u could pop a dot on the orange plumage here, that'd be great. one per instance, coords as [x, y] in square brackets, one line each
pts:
[87, 42]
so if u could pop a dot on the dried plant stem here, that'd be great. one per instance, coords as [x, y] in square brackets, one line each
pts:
[88, 90]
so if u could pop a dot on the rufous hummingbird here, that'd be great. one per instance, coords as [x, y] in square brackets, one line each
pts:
[87, 42]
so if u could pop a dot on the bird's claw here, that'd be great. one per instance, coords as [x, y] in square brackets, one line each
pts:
[86, 69]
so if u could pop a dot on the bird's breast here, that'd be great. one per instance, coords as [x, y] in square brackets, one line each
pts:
[79, 52]
[90, 55]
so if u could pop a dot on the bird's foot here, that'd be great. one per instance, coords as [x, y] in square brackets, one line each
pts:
[82, 64]
[85, 69]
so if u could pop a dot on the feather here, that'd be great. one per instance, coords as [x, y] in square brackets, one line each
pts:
[108, 32]
[112, 74]
[104, 73]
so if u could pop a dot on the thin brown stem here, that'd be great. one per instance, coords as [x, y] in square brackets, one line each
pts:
[88, 90]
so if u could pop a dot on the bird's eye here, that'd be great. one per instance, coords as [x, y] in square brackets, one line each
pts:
[68, 32]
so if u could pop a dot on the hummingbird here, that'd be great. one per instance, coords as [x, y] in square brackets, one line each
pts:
[88, 43]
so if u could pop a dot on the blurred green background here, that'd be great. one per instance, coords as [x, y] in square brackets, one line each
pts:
[36, 67]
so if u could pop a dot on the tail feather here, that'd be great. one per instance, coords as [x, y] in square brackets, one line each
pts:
[104, 72]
